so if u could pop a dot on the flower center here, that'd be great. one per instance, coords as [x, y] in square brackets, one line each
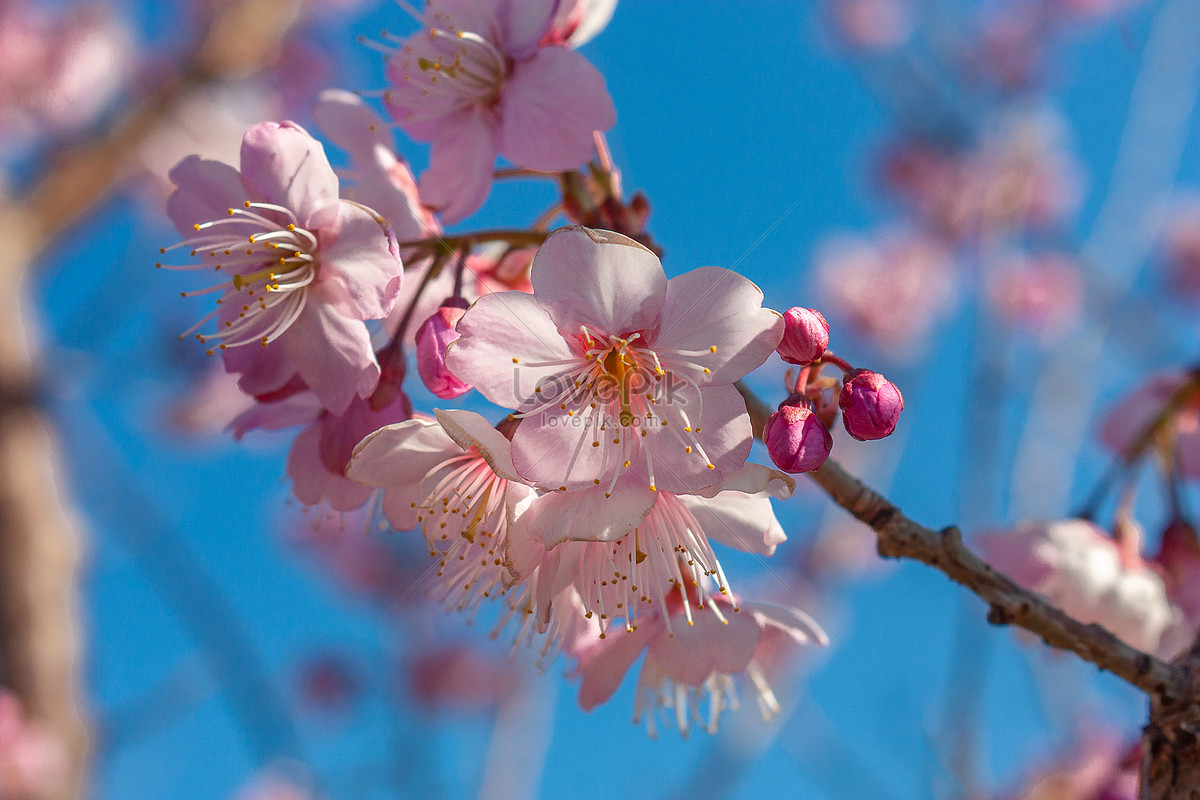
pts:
[271, 262]
[452, 69]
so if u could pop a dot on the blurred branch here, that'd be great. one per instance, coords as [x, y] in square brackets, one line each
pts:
[900, 537]
[39, 541]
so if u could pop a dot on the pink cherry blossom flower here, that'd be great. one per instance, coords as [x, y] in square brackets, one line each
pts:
[1083, 571]
[892, 289]
[321, 453]
[476, 82]
[456, 677]
[1181, 245]
[454, 479]
[625, 576]
[691, 658]
[1124, 426]
[306, 269]
[1041, 293]
[621, 379]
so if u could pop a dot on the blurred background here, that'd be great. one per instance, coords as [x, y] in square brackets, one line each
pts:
[995, 203]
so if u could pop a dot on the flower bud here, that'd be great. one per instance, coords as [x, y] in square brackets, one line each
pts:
[871, 405]
[805, 336]
[796, 439]
[432, 339]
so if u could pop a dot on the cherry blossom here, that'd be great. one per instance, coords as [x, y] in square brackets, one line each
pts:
[577, 22]
[306, 269]
[691, 658]
[621, 379]
[1083, 571]
[622, 577]
[1124, 426]
[477, 83]
[454, 479]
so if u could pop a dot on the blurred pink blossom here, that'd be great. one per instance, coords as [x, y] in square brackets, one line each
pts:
[1042, 294]
[1181, 246]
[872, 24]
[891, 289]
[1083, 570]
[1128, 421]
[456, 677]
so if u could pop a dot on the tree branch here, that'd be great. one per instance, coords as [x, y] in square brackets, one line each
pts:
[1011, 604]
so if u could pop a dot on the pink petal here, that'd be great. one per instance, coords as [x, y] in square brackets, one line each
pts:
[741, 521]
[552, 104]
[312, 483]
[469, 429]
[525, 22]
[333, 355]
[340, 434]
[397, 458]
[753, 479]
[712, 306]
[359, 253]
[552, 450]
[588, 515]
[598, 278]
[288, 167]
[497, 329]
[792, 621]
[603, 666]
[460, 165]
[352, 125]
[722, 433]
[707, 646]
[204, 191]
[299, 409]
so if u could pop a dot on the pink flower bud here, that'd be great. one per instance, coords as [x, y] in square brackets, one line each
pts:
[432, 340]
[871, 405]
[797, 439]
[805, 336]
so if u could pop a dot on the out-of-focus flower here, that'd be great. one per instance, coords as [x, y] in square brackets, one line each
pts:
[58, 72]
[272, 785]
[892, 289]
[1084, 572]
[32, 761]
[797, 440]
[210, 405]
[329, 683]
[306, 268]
[872, 24]
[1011, 47]
[1124, 426]
[691, 658]
[477, 83]
[1181, 245]
[455, 677]
[871, 405]
[622, 380]
[1179, 560]
[1041, 293]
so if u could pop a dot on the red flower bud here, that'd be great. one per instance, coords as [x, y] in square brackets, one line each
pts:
[432, 340]
[871, 405]
[796, 439]
[805, 336]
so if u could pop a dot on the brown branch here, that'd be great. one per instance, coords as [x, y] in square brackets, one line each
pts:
[1011, 604]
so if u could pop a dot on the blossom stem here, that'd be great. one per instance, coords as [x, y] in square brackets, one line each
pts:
[837, 361]
[449, 244]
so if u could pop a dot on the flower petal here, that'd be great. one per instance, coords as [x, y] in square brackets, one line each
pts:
[792, 621]
[752, 479]
[525, 22]
[551, 106]
[588, 515]
[741, 521]
[332, 354]
[359, 253]
[460, 165]
[501, 335]
[204, 191]
[288, 167]
[600, 279]
[709, 308]
[312, 483]
[469, 429]
[352, 125]
[397, 458]
[720, 435]
[706, 646]
[603, 666]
